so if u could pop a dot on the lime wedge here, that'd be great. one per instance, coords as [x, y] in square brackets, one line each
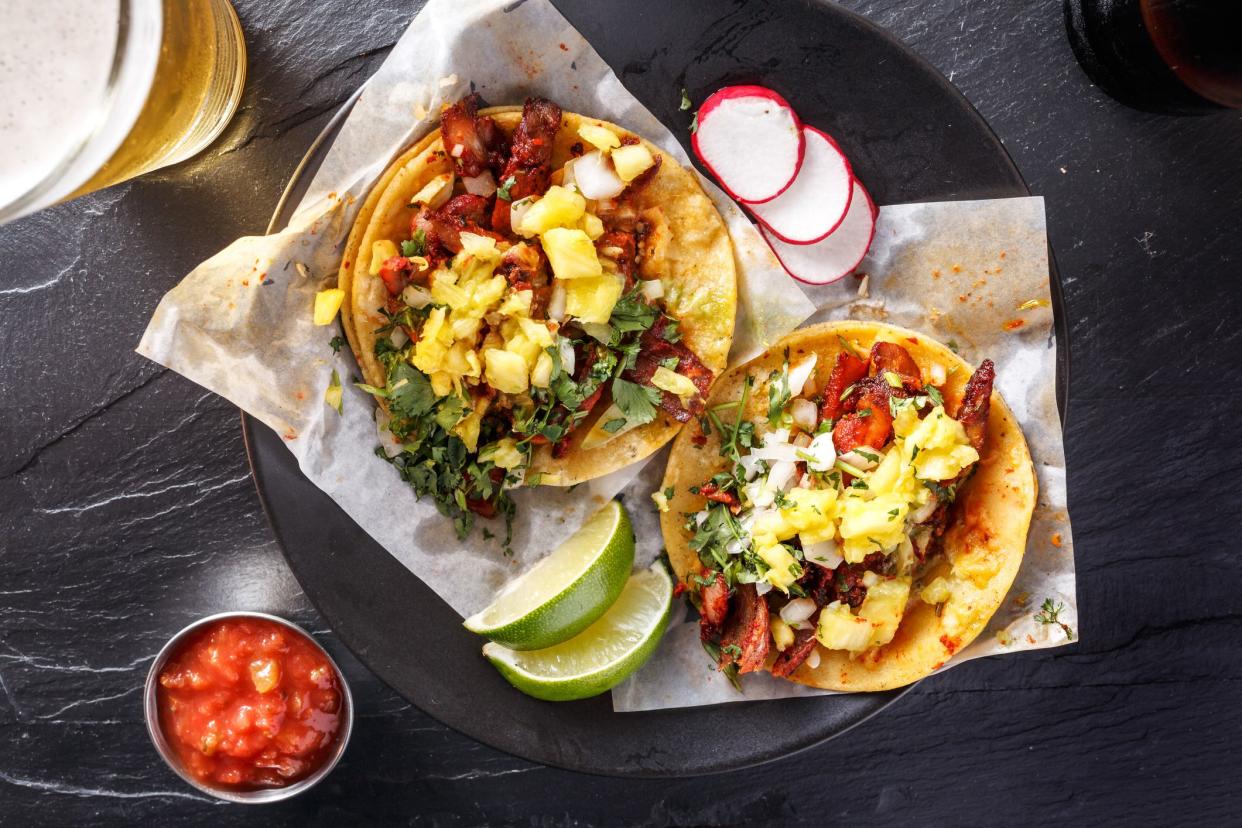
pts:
[602, 655]
[562, 594]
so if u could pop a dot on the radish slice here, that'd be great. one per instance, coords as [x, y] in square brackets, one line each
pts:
[750, 139]
[819, 197]
[837, 255]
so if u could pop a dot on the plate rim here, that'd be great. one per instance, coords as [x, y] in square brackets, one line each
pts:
[282, 213]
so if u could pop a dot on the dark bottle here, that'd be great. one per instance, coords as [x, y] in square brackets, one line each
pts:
[1175, 56]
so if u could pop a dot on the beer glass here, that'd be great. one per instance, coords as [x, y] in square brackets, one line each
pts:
[1171, 56]
[96, 92]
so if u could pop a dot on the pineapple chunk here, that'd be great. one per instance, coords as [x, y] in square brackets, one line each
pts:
[673, 382]
[442, 383]
[840, 630]
[571, 254]
[468, 429]
[504, 453]
[781, 563]
[435, 192]
[516, 303]
[592, 300]
[632, 161]
[883, 608]
[866, 524]
[937, 592]
[433, 343]
[541, 374]
[591, 225]
[382, 251]
[810, 513]
[943, 447]
[327, 303]
[506, 371]
[599, 137]
[559, 207]
[782, 633]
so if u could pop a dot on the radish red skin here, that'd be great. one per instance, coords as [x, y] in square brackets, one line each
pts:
[875, 213]
[849, 170]
[747, 91]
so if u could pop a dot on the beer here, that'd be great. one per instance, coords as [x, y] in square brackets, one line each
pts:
[92, 94]
[1175, 56]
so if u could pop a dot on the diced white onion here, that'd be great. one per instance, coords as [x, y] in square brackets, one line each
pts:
[799, 373]
[416, 296]
[780, 476]
[870, 579]
[596, 178]
[482, 184]
[779, 435]
[799, 609]
[653, 289]
[858, 461]
[778, 452]
[802, 440]
[566, 346]
[823, 451]
[518, 209]
[823, 553]
[925, 511]
[556, 302]
[567, 174]
[805, 414]
[700, 518]
[937, 374]
[399, 337]
[457, 151]
[392, 447]
[762, 587]
[753, 466]
[812, 660]
[735, 547]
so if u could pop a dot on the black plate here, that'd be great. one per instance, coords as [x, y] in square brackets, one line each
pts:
[911, 137]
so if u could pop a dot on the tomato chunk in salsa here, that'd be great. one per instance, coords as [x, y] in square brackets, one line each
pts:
[248, 703]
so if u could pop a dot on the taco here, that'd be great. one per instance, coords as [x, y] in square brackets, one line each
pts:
[534, 296]
[851, 510]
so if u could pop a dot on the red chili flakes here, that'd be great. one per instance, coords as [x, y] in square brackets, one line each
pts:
[936, 273]
[950, 644]
[1056, 539]
[564, 48]
[679, 589]
[1002, 254]
[957, 268]
[1014, 324]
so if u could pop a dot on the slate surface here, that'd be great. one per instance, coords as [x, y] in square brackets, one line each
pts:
[128, 510]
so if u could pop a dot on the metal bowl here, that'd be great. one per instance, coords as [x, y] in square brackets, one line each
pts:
[230, 795]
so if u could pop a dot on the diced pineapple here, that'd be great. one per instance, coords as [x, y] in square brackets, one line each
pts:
[541, 374]
[433, 343]
[435, 192]
[516, 303]
[781, 565]
[782, 633]
[661, 500]
[445, 292]
[466, 327]
[943, 447]
[506, 371]
[883, 608]
[504, 453]
[462, 361]
[559, 207]
[592, 300]
[571, 254]
[442, 383]
[600, 137]
[839, 629]
[327, 303]
[872, 525]
[592, 226]
[382, 251]
[936, 592]
[630, 162]
[673, 382]
[468, 429]
[810, 513]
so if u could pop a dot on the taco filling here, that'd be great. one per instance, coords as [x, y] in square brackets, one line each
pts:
[524, 306]
[831, 509]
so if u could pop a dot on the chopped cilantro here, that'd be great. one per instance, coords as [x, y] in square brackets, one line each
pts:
[416, 246]
[502, 192]
[637, 402]
[336, 343]
[685, 100]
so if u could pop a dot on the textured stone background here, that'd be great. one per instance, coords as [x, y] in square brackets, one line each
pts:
[128, 509]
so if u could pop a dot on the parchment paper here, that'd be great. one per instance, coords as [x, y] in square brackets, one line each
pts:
[240, 325]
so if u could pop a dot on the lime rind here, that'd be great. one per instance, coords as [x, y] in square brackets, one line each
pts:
[591, 588]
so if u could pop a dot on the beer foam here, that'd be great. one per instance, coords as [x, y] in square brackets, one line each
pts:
[56, 57]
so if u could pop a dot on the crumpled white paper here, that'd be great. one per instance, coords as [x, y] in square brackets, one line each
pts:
[240, 325]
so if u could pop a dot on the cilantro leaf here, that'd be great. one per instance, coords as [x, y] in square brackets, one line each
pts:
[416, 246]
[409, 391]
[502, 192]
[637, 402]
[336, 343]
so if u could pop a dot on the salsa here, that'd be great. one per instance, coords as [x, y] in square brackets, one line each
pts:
[248, 703]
